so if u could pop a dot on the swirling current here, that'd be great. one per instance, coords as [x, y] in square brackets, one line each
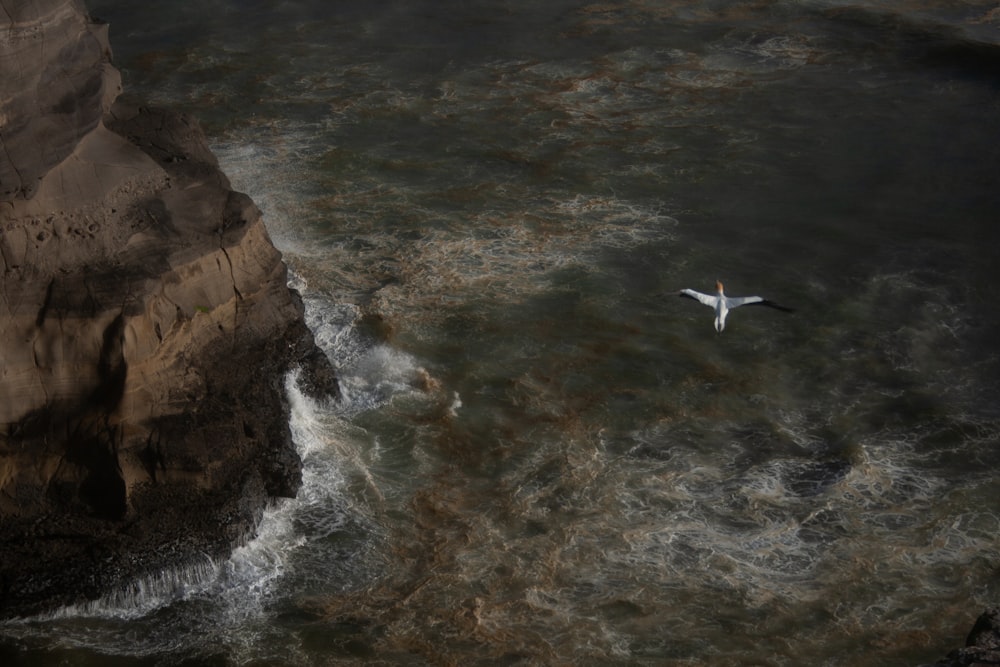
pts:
[541, 455]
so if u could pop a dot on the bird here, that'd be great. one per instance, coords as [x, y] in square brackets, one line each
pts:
[722, 304]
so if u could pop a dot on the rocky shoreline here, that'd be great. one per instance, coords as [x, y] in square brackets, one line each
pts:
[982, 646]
[147, 328]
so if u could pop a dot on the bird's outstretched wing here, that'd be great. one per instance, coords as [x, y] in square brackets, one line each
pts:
[707, 299]
[737, 301]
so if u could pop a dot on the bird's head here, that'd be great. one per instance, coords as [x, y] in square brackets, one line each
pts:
[718, 286]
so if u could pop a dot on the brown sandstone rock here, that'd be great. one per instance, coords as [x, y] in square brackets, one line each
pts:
[57, 82]
[145, 329]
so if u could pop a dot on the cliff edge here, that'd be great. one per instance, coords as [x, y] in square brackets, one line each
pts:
[146, 328]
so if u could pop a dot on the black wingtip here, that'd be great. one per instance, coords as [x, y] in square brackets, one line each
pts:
[776, 306]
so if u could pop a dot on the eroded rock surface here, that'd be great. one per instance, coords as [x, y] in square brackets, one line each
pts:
[146, 328]
[57, 81]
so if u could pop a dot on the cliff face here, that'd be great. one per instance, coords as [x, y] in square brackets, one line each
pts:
[56, 83]
[145, 328]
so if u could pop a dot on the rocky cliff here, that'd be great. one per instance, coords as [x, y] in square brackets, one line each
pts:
[145, 328]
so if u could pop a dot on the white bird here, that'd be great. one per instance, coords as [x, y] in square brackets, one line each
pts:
[722, 304]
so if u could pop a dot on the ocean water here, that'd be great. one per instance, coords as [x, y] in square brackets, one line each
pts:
[542, 456]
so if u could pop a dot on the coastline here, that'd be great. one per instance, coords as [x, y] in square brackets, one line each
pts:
[148, 327]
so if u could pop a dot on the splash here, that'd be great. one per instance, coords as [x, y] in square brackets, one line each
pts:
[147, 594]
[231, 599]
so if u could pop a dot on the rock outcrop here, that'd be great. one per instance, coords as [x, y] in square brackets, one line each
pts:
[145, 329]
[982, 646]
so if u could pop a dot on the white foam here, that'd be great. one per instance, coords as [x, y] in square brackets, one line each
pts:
[369, 373]
[148, 593]
[244, 580]
[456, 403]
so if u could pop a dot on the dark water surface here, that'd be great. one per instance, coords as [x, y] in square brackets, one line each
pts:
[543, 456]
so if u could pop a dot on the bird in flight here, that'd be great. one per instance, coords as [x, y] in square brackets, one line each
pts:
[722, 304]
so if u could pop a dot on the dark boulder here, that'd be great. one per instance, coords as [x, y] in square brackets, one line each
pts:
[982, 646]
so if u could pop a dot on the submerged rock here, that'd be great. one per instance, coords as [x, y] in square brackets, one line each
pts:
[146, 328]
